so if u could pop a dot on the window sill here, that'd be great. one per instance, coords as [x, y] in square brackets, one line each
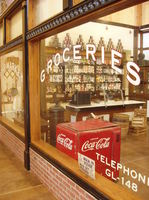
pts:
[12, 127]
[102, 185]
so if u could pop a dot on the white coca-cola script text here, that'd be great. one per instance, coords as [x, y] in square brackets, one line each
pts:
[64, 141]
[95, 144]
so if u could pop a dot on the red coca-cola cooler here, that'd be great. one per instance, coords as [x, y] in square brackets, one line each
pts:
[96, 139]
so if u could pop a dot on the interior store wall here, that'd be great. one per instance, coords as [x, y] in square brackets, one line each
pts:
[98, 30]
[145, 13]
[132, 14]
[120, 16]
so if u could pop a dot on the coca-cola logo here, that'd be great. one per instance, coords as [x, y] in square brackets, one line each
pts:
[64, 141]
[95, 144]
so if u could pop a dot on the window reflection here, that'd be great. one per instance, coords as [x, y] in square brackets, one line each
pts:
[11, 66]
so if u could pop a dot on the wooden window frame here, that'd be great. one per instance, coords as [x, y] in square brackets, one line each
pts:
[2, 24]
[8, 19]
[31, 23]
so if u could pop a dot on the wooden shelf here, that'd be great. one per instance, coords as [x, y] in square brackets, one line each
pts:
[108, 82]
[79, 83]
[82, 64]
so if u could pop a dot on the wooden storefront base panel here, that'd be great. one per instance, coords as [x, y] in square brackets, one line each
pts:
[101, 184]
[61, 186]
[12, 127]
[12, 142]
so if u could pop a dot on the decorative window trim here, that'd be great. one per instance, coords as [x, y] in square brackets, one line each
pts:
[17, 41]
[77, 11]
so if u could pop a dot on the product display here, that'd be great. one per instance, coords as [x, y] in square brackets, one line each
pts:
[54, 82]
[80, 42]
[82, 75]
[107, 79]
[79, 77]
[119, 46]
[139, 122]
[67, 41]
[110, 45]
[55, 42]
[100, 44]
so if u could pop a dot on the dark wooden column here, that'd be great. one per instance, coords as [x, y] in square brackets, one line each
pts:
[141, 42]
[26, 89]
[135, 45]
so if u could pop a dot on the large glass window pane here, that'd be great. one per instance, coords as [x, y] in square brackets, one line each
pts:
[146, 40]
[12, 95]
[60, 80]
[146, 53]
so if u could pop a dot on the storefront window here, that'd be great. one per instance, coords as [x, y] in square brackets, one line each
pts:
[11, 78]
[85, 110]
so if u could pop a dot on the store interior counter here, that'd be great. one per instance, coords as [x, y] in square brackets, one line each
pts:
[77, 113]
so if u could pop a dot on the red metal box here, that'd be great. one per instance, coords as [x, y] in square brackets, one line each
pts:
[96, 139]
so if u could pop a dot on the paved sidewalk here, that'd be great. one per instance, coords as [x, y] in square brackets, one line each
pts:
[16, 183]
